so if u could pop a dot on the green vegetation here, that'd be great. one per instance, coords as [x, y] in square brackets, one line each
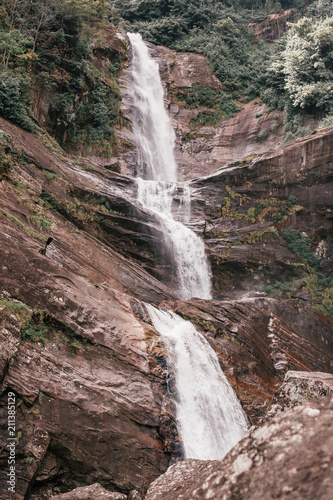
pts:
[40, 221]
[239, 206]
[299, 244]
[221, 104]
[50, 176]
[81, 211]
[319, 287]
[46, 46]
[36, 326]
[20, 310]
[14, 99]
[32, 328]
[293, 74]
[20, 224]
[5, 159]
[34, 332]
[275, 212]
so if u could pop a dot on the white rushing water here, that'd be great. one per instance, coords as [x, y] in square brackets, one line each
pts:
[152, 128]
[155, 139]
[210, 418]
[192, 269]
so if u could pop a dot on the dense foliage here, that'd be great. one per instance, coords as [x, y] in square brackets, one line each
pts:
[293, 74]
[51, 40]
[45, 47]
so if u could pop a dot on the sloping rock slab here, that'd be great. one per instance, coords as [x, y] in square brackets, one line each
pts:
[93, 492]
[299, 387]
[288, 457]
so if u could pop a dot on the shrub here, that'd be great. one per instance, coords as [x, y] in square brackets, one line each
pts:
[34, 332]
[294, 125]
[14, 100]
[306, 64]
[262, 136]
[299, 244]
[220, 103]
[292, 200]
[325, 122]
[50, 176]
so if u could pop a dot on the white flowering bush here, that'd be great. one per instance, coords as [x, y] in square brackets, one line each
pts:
[306, 63]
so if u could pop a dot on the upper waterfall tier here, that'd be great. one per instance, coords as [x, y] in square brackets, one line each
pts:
[157, 180]
[151, 124]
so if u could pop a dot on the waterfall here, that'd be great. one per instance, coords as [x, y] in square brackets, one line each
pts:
[151, 127]
[155, 139]
[192, 269]
[210, 418]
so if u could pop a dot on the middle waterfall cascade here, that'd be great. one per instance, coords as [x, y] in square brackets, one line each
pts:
[210, 418]
[192, 269]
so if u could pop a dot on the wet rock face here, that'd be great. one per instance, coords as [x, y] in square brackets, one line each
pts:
[288, 457]
[257, 342]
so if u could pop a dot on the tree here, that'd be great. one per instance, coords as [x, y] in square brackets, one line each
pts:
[89, 10]
[11, 42]
[306, 64]
[320, 9]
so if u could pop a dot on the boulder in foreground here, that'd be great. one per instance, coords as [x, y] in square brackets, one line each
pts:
[288, 457]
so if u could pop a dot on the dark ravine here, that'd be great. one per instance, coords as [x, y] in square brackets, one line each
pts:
[102, 364]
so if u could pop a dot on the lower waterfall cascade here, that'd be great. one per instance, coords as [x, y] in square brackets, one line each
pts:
[210, 418]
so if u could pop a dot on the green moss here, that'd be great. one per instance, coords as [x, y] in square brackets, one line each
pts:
[255, 237]
[20, 310]
[22, 226]
[220, 105]
[50, 176]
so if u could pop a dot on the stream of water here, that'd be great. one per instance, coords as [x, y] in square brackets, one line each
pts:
[210, 418]
[157, 185]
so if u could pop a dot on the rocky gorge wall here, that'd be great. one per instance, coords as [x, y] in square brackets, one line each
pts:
[89, 378]
[78, 348]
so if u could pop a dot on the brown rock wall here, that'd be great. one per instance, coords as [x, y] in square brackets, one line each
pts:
[257, 343]
[91, 392]
[242, 210]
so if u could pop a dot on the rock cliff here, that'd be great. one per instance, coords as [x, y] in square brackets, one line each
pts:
[201, 149]
[88, 376]
[78, 348]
